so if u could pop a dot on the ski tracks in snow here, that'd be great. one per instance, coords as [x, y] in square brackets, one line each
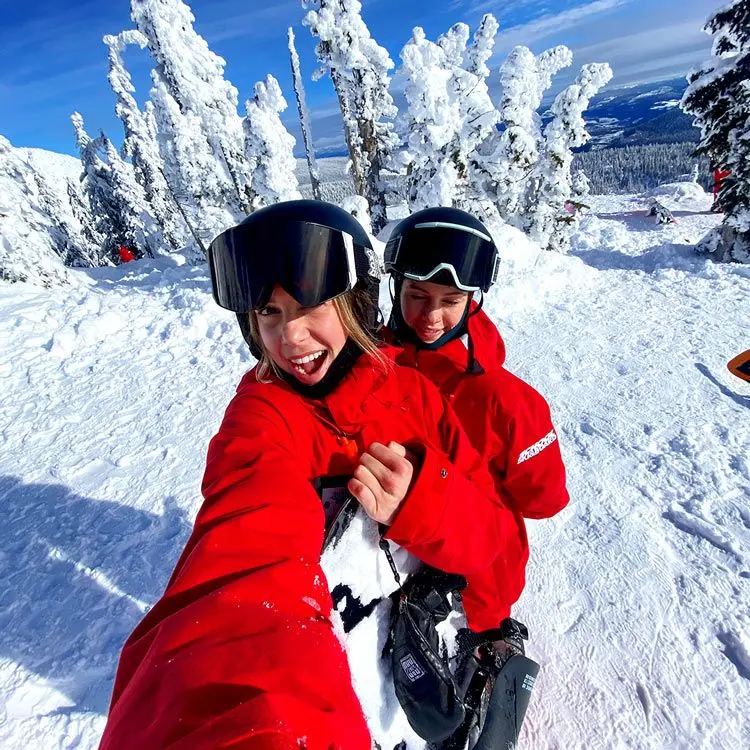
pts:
[638, 598]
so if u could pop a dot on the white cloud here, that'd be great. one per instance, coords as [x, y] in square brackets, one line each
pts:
[553, 23]
[663, 51]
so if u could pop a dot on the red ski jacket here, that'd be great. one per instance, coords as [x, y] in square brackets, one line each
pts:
[240, 652]
[509, 423]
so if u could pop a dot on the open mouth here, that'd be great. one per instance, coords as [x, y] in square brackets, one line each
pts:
[428, 333]
[309, 364]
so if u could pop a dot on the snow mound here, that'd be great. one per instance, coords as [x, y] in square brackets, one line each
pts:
[687, 196]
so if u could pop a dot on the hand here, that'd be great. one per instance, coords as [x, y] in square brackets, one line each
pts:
[383, 479]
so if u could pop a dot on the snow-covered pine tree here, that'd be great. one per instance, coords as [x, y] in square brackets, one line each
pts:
[433, 124]
[505, 161]
[269, 147]
[468, 86]
[28, 249]
[549, 223]
[194, 77]
[482, 45]
[190, 167]
[67, 235]
[359, 69]
[116, 199]
[81, 211]
[304, 116]
[140, 145]
[718, 98]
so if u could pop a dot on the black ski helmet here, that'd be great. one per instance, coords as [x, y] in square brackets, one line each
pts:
[313, 249]
[443, 243]
[444, 246]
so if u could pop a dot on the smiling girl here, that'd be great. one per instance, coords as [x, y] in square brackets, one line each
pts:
[240, 651]
[440, 259]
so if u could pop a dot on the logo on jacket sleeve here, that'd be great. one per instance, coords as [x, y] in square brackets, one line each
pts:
[538, 447]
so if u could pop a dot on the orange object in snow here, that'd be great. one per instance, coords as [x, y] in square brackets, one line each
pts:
[126, 254]
[740, 366]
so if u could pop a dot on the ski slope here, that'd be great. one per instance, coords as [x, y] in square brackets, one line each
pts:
[638, 599]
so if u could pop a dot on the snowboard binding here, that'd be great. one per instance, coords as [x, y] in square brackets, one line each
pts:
[495, 678]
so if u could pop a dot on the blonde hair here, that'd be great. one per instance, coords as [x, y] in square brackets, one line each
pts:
[347, 306]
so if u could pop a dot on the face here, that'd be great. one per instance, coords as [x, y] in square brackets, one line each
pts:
[431, 310]
[302, 341]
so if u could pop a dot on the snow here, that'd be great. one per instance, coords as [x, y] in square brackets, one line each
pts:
[638, 594]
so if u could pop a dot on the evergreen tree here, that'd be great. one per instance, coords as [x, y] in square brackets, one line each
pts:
[67, 235]
[81, 212]
[718, 97]
[549, 223]
[195, 183]
[140, 144]
[506, 161]
[304, 116]
[434, 122]
[116, 199]
[359, 69]
[194, 78]
[269, 147]
[478, 116]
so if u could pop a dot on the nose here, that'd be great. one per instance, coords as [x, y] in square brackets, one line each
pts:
[431, 314]
[294, 331]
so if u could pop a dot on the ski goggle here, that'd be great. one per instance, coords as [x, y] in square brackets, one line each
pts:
[468, 255]
[312, 262]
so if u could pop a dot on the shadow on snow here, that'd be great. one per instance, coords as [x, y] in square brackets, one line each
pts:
[76, 575]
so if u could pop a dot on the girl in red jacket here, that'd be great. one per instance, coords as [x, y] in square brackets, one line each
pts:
[240, 650]
[439, 259]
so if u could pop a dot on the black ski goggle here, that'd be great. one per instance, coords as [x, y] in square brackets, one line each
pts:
[312, 262]
[468, 255]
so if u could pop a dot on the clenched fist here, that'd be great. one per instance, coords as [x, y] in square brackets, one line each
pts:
[383, 479]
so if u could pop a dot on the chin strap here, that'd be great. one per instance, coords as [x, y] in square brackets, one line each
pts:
[405, 334]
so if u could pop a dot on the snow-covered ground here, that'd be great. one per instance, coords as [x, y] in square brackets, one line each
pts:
[638, 598]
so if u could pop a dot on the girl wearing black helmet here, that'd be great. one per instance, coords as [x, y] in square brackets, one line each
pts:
[240, 649]
[440, 260]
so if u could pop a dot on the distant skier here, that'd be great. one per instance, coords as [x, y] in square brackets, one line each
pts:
[719, 175]
[240, 650]
[440, 258]
[660, 212]
[126, 254]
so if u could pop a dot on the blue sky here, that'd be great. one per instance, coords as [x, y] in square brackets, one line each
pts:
[52, 59]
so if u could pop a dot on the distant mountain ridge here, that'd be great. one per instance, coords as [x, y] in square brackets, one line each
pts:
[640, 115]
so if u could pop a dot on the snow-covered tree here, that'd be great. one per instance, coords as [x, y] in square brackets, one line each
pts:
[549, 223]
[29, 245]
[359, 69]
[190, 168]
[482, 45]
[357, 206]
[140, 144]
[194, 78]
[304, 116]
[83, 217]
[116, 199]
[70, 242]
[468, 86]
[505, 161]
[269, 147]
[434, 122]
[718, 97]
